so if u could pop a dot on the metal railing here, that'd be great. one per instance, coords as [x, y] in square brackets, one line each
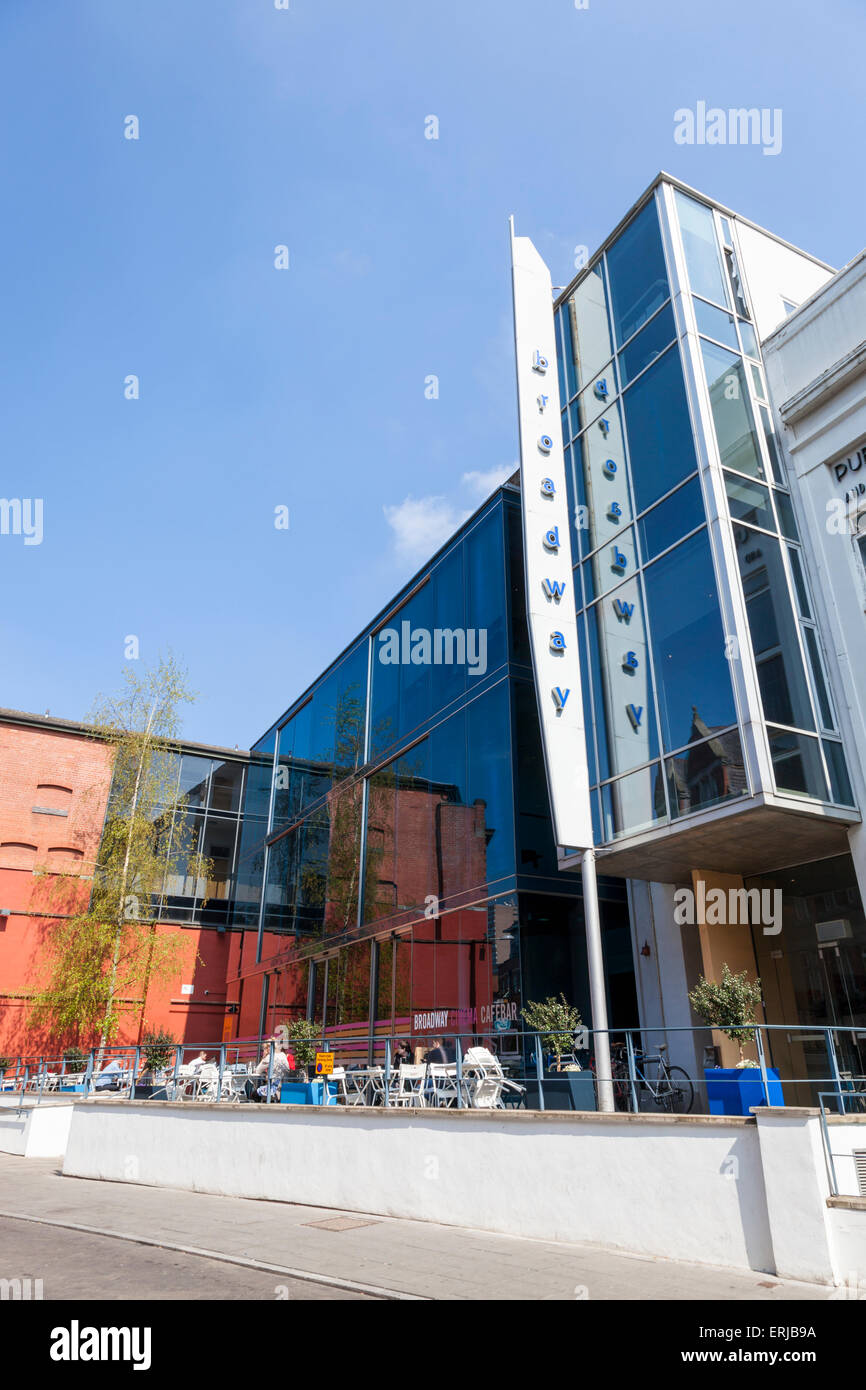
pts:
[646, 1077]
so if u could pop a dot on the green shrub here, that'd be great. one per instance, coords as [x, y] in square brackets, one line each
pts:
[728, 1004]
[556, 1020]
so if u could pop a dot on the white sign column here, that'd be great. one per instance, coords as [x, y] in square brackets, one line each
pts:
[550, 605]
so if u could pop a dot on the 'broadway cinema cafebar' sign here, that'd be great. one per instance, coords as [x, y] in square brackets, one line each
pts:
[499, 1015]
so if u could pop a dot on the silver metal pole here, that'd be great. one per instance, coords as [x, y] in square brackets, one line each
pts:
[598, 1000]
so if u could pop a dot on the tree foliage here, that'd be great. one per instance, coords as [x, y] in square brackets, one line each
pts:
[110, 953]
[556, 1020]
[728, 1004]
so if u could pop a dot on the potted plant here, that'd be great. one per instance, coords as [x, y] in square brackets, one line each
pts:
[158, 1048]
[557, 1021]
[729, 1005]
[74, 1063]
[5, 1065]
[302, 1036]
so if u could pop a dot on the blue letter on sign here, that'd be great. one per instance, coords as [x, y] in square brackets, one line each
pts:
[634, 713]
[551, 540]
[560, 697]
[557, 642]
[553, 588]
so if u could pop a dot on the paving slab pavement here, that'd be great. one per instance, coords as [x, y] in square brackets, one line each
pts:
[369, 1256]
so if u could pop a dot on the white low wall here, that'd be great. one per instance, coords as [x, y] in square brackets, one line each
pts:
[34, 1131]
[811, 1240]
[686, 1188]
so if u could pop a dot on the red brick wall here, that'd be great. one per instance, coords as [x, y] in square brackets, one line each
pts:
[70, 772]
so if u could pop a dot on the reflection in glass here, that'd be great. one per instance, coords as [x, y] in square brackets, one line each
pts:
[797, 764]
[707, 774]
[701, 248]
[659, 430]
[732, 414]
[773, 629]
[716, 323]
[692, 673]
[749, 502]
[624, 709]
[591, 342]
[633, 803]
[226, 787]
[787, 520]
[799, 582]
[638, 279]
[605, 487]
[609, 566]
[647, 345]
[772, 447]
[668, 521]
[840, 783]
[824, 706]
[750, 342]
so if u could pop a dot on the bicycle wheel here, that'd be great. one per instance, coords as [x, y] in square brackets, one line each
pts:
[676, 1094]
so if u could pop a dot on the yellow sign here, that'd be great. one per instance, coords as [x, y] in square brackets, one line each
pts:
[324, 1063]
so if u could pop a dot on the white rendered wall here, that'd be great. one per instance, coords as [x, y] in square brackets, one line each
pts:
[34, 1131]
[819, 356]
[683, 1190]
[774, 272]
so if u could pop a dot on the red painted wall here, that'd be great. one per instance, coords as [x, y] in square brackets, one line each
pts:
[60, 770]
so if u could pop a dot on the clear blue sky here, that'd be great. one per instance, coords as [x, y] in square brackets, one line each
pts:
[305, 387]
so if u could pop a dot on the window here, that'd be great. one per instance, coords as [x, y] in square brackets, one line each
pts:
[716, 323]
[732, 414]
[701, 249]
[647, 345]
[659, 430]
[773, 629]
[670, 520]
[636, 268]
[692, 672]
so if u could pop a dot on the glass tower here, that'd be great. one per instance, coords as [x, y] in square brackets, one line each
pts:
[703, 675]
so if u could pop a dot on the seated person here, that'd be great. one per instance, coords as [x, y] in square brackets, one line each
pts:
[442, 1051]
[402, 1053]
[110, 1077]
[283, 1066]
[198, 1061]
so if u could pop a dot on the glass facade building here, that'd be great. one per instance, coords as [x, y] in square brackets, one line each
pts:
[705, 682]
[396, 865]
[397, 870]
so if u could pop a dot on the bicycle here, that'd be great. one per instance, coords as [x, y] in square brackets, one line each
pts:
[670, 1088]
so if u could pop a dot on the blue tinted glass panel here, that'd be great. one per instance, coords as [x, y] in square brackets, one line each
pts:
[774, 630]
[648, 344]
[715, 323]
[636, 269]
[659, 430]
[772, 447]
[668, 521]
[692, 674]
